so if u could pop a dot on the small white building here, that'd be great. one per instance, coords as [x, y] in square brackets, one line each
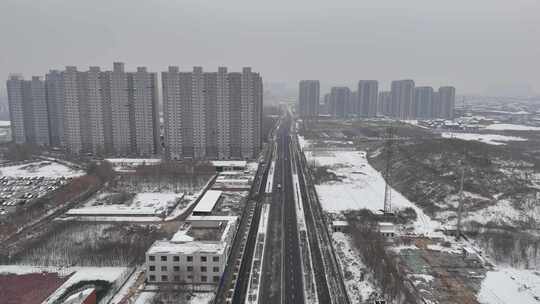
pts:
[340, 226]
[387, 229]
[196, 254]
[229, 165]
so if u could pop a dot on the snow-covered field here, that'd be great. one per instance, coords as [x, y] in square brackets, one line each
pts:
[46, 169]
[361, 187]
[511, 127]
[142, 204]
[510, 285]
[490, 139]
[359, 289]
[129, 164]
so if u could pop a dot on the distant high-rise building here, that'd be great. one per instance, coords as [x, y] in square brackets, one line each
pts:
[385, 103]
[28, 110]
[368, 91]
[354, 106]
[308, 98]
[436, 106]
[339, 101]
[447, 101]
[144, 112]
[403, 99]
[212, 115]
[103, 112]
[423, 97]
[54, 88]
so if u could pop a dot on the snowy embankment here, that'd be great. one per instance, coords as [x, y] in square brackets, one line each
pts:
[360, 187]
[490, 139]
[355, 273]
[511, 127]
[510, 285]
[46, 169]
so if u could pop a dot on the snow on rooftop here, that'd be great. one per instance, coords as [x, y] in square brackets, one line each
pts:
[229, 163]
[147, 203]
[78, 297]
[5, 123]
[187, 248]
[511, 127]
[47, 169]
[490, 139]
[208, 201]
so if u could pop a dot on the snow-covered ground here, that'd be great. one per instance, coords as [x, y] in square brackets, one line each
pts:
[361, 187]
[490, 139]
[511, 127]
[129, 164]
[510, 285]
[359, 289]
[143, 204]
[48, 169]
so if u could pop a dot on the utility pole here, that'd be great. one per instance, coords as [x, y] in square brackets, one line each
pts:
[387, 172]
[460, 207]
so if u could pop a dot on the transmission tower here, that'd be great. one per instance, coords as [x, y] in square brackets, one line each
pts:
[388, 145]
[460, 207]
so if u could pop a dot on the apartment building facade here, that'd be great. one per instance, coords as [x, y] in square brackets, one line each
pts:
[28, 110]
[308, 98]
[212, 115]
[368, 94]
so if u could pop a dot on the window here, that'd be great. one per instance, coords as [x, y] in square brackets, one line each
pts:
[164, 258]
[152, 278]
[215, 259]
[163, 268]
[190, 277]
[190, 258]
[203, 268]
[176, 258]
[204, 279]
[203, 259]
[177, 278]
[215, 279]
[152, 258]
[216, 269]
[176, 268]
[164, 278]
[190, 268]
[152, 268]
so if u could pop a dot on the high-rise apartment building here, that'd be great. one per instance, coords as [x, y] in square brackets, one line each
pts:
[423, 99]
[403, 99]
[54, 89]
[212, 115]
[103, 112]
[28, 110]
[385, 103]
[340, 101]
[308, 98]
[447, 101]
[144, 112]
[368, 91]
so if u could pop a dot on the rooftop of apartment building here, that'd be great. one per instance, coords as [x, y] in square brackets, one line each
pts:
[200, 234]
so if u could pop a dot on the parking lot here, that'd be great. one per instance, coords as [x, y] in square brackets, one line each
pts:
[16, 193]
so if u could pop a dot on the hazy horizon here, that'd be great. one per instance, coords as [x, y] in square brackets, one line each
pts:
[472, 46]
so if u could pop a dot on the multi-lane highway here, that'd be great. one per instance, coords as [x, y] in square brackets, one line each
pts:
[282, 277]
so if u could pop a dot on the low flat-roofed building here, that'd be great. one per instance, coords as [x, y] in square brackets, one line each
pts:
[207, 202]
[340, 226]
[229, 165]
[387, 229]
[196, 254]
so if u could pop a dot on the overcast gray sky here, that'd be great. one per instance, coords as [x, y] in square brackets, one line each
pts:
[467, 43]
